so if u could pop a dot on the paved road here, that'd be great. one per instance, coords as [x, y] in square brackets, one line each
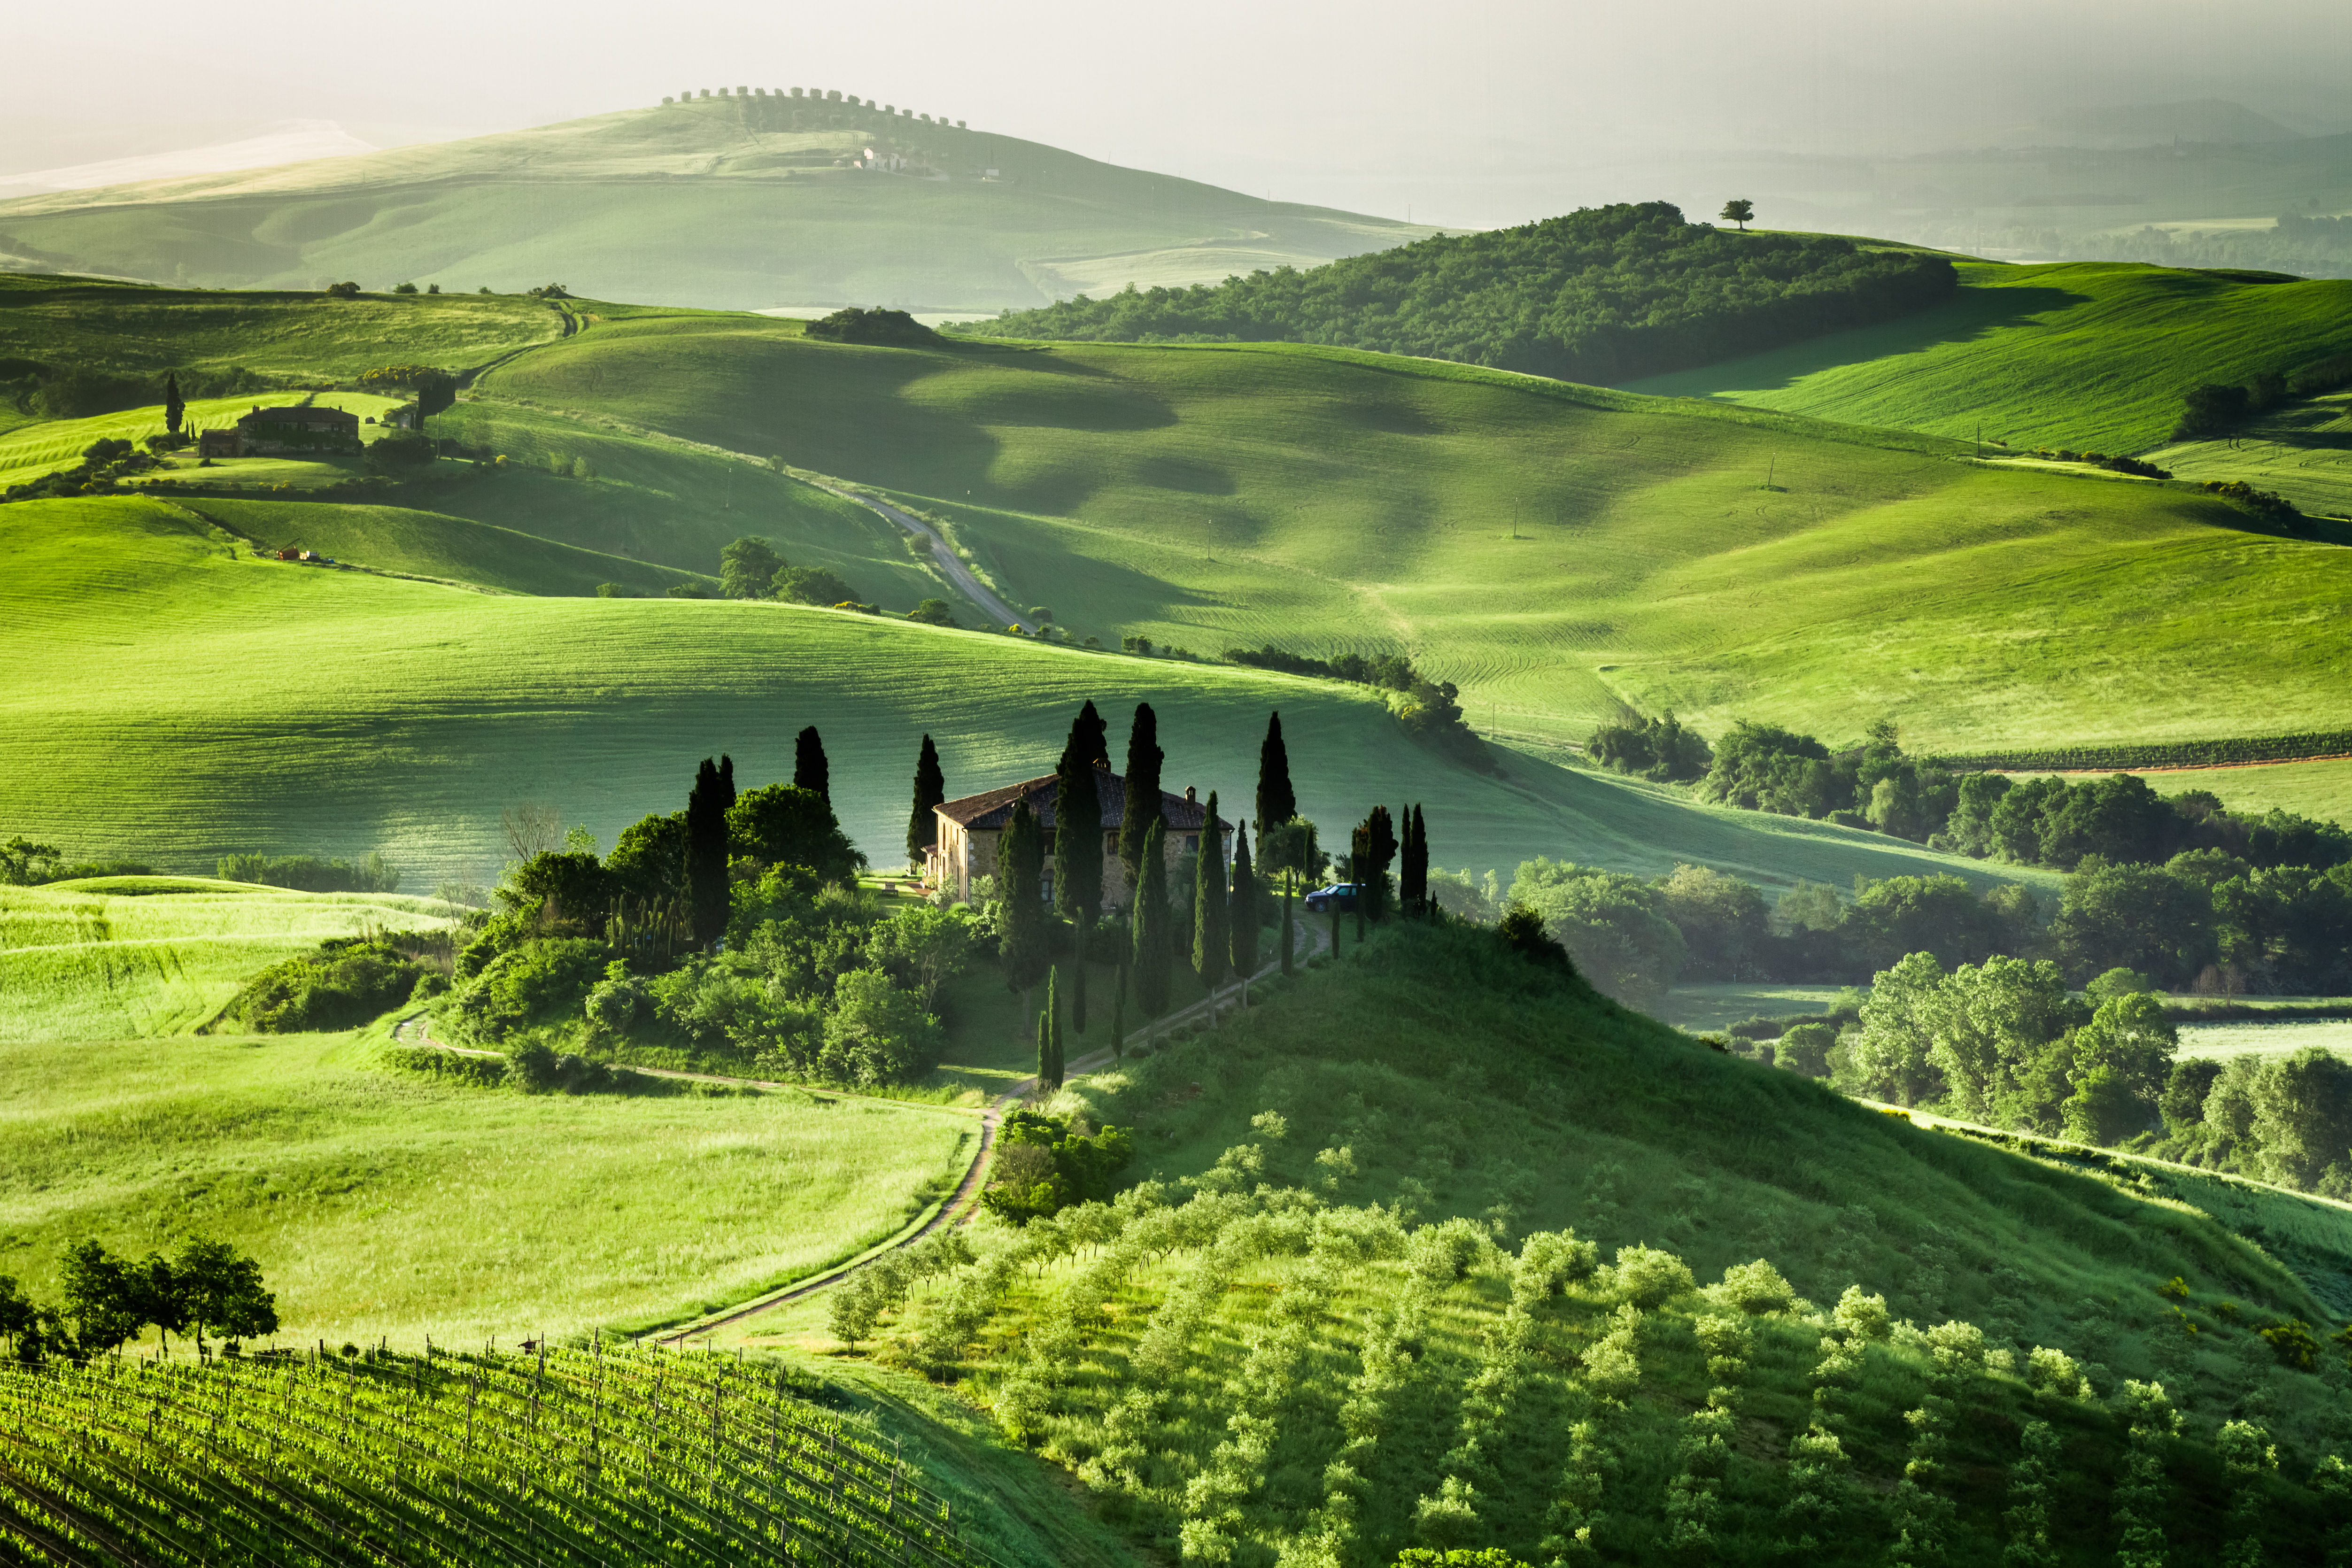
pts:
[949, 562]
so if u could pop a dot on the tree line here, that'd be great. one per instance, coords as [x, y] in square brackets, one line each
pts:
[105, 1300]
[1429, 710]
[1600, 295]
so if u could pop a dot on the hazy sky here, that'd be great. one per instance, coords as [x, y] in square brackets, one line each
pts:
[1373, 105]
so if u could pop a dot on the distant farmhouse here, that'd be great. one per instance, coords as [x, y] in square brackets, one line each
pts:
[298, 429]
[969, 830]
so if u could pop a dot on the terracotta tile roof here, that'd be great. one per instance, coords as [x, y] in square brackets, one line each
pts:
[992, 810]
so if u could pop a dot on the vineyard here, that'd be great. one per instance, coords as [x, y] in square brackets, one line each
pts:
[571, 1457]
[2311, 746]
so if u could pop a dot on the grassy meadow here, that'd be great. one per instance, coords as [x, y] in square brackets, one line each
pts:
[697, 204]
[2090, 356]
[1555, 550]
[117, 956]
[274, 706]
[29, 451]
[2303, 451]
[379, 1203]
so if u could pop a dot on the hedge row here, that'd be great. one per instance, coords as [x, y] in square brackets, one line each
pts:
[2156, 754]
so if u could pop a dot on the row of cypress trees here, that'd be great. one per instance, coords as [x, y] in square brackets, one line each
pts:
[708, 841]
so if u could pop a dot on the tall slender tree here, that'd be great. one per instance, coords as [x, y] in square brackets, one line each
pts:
[1412, 876]
[809, 769]
[1240, 910]
[1277, 802]
[175, 410]
[1155, 943]
[1141, 812]
[1374, 843]
[1049, 1036]
[1020, 872]
[1209, 899]
[931, 789]
[1077, 839]
[705, 850]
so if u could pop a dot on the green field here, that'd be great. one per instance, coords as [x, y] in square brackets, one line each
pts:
[2303, 451]
[382, 1204]
[2241, 1038]
[1324, 501]
[29, 451]
[697, 204]
[115, 958]
[2089, 356]
[274, 706]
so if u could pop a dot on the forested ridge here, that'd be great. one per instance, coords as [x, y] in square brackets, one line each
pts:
[1600, 295]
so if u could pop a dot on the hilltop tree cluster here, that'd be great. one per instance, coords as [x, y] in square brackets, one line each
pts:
[1602, 295]
[1430, 710]
[751, 569]
[207, 1288]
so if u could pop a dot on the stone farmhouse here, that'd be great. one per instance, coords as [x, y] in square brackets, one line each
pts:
[300, 428]
[971, 830]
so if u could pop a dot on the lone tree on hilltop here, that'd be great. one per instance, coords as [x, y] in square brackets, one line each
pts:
[1276, 801]
[931, 789]
[1154, 943]
[1143, 810]
[810, 770]
[1021, 940]
[748, 568]
[1739, 210]
[1209, 897]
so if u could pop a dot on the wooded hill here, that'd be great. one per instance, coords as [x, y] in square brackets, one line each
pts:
[1602, 294]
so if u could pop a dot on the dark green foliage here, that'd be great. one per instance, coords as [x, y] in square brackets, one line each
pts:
[931, 789]
[650, 857]
[1522, 930]
[1020, 880]
[876, 326]
[1291, 847]
[1658, 749]
[1154, 940]
[109, 1299]
[812, 585]
[1210, 898]
[1412, 875]
[933, 613]
[810, 770]
[1373, 846]
[748, 568]
[308, 874]
[1077, 820]
[1277, 802]
[535, 983]
[1049, 1036]
[175, 410]
[1602, 294]
[1141, 811]
[790, 824]
[1242, 908]
[341, 985]
[1061, 1166]
[707, 829]
[566, 890]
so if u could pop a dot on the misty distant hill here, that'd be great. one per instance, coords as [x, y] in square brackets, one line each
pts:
[734, 202]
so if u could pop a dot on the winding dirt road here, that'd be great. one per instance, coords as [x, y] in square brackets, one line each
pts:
[948, 562]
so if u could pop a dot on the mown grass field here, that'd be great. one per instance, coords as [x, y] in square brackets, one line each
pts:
[2090, 356]
[2241, 1038]
[115, 958]
[273, 706]
[2303, 451]
[378, 1203]
[31, 450]
[1555, 550]
[698, 204]
[133, 329]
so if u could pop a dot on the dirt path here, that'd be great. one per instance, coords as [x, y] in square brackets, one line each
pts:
[948, 562]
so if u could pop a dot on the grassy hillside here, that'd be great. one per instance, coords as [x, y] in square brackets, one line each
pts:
[379, 1203]
[1322, 499]
[44, 447]
[1445, 1075]
[2090, 356]
[2303, 451]
[270, 706]
[740, 203]
[118, 956]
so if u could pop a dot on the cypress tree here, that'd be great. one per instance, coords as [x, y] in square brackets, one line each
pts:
[1154, 943]
[706, 851]
[931, 789]
[1412, 879]
[1374, 843]
[1077, 824]
[1021, 935]
[1276, 803]
[1209, 897]
[809, 769]
[726, 783]
[1049, 1036]
[1142, 807]
[1054, 1013]
[1241, 911]
[1045, 1054]
[174, 409]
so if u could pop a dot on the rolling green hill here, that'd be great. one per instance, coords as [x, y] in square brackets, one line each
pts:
[735, 202]
[1555, 550]
[2089, 356]
[271, 706]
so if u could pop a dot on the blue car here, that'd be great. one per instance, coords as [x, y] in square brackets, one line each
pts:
[1339, 896]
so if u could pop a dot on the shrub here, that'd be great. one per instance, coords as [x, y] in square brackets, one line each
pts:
[1755, 1287]
[342, 986]
[1445, 1252]
[1647, 1277]
[538, 982]
[874, 326]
